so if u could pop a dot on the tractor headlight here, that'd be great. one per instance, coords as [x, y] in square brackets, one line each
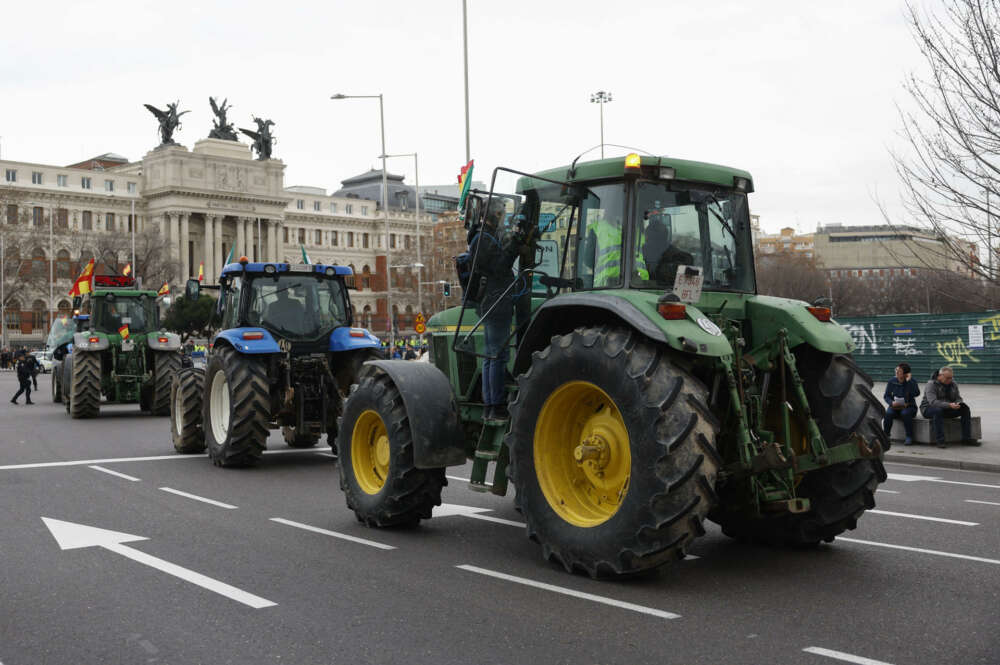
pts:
[270, 269]
[330, 272]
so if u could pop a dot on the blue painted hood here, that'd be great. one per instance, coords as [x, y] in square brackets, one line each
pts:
[348, 339]
[266, 344]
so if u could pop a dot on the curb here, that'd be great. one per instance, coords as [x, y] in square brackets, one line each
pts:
[909, 458]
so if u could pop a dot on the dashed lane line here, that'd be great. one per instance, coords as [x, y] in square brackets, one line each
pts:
[888, 491]
[114, 473]
[333, 534]
[988, 503]
[571, 592]
[199, 498]
[846, 657]
[151, 458]
[923, 517]
[920, 550]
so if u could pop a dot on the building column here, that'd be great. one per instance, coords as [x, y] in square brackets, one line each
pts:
[172, 220]
[279, 239]
[217, 260]
[208, 251]
[240, 238]
[185, 236]
[272, 241]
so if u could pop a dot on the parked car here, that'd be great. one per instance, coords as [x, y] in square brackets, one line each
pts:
[44, 359]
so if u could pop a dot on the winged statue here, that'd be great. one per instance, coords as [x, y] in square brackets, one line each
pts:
[170, 120]
[263, 139]
[222, 129]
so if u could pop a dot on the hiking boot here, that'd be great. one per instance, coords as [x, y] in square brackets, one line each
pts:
[29, 402]
[500, 412]
[13, 401]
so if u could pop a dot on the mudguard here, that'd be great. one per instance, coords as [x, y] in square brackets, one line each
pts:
[349, 339]
[172, 341]
[82, 341]
[234, 337]
[430, 407]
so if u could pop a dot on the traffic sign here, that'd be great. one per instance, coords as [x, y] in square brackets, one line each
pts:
[420, 328]
[420, 317]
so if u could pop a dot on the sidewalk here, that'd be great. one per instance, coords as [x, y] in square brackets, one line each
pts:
[984, 400]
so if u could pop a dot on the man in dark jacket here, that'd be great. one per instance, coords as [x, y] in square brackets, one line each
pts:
[901, 397]
[942, 400]
[24, 370]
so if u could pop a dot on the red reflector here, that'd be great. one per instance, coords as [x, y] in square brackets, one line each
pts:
[94, 340]
[357, 333]
[672, 311]
[162, 340]
[821, 313]
[253, 335]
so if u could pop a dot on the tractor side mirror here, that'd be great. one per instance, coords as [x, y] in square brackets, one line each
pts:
[192, 290]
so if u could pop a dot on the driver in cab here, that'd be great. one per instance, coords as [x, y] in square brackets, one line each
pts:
[660, 255]
[287, 312]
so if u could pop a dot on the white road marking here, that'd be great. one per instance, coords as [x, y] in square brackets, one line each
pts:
[848, 657]
[333, 534]
[920, 550]
[113, 473]
[199, 498]
[327, 455]
[959, 482]
[924, 517]
[888, 491]
[570, 592]
[937, 479]
[906, 478]
[465, 480]
[72, 536]
[151, 458]
[988, 503]
[449, 509]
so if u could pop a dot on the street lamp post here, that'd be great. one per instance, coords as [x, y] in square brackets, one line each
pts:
[601, 98]
[385, 207]
[465, 57]
[416, 187]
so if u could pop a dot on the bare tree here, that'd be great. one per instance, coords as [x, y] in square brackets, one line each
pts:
[25, 268]
[790, 275]
[950, 170]
[153, 261]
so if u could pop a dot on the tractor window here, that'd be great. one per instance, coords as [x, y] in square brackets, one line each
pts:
[677, 225]
[296, 306]
[136, 313]
[232, 302]
[599, 244]
[545, 217]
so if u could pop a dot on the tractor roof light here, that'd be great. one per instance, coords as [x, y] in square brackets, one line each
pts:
[632, 162]
[742, 184]
[821, 313]
[667, 173]
[270, 269]
[244, 260]
[253, 335]
[331, 271]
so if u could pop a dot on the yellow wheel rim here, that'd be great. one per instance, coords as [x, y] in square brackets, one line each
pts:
[582, 456]
[370, 452]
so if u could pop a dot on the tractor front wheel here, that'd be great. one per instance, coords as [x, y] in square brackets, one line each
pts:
[186, 392]
[612, 452]
[85, 389]
[236, 408]
[57, 395]
[165, 366]
[377, 473]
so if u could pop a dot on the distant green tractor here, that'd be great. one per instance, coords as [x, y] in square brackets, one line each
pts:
[113, 351]
[650, 388]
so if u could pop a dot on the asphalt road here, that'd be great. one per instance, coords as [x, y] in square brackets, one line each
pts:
[917, 583]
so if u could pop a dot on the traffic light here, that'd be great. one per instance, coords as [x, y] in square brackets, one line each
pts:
[446, 289]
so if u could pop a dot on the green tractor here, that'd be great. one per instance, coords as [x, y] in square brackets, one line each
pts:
[649, 386]
[115, 351]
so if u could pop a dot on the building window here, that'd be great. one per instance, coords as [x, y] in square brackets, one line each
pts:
[333, 207]
[406, 242]
[109, 221]
[333, 238]
[348, 208]
[62, 180]
[302, 236]
[318, 237]
[12, 213]
[38, 315]
[317, 206]
[11, 175]
[285, 232]
[392, 241]
[109, 185]
[130, 223]
[350, 238]
[62, 264]
[37, 216]
[36, 177]
[13, 315]
[85, 182]
[131, 187]
[364, 210]
[88, 221]
[300, 204]
[62, 218]
[364, 241]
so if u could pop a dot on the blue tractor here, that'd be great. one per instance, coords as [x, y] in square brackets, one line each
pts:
[285, 357]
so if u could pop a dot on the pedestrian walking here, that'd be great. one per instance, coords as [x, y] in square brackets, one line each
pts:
[24, 380]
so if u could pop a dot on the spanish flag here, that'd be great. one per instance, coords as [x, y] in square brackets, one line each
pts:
[123, 331]
[201, 271]
[464, 183]
[82, 283]
[164, 290]
[127, 270]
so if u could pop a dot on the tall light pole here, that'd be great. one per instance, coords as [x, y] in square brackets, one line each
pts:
[465, 57]
[385, 208]
[52, 212]
[416, 187]
[601, 98]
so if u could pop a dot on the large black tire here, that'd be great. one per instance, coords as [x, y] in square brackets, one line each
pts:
[841, 401]
[347, 370]
[377, 474]
[296, 440]
[237, 435]
[85, 389]
[669, 442]
[165, 366]
[186, 393]
[66, 379]
[57, 395]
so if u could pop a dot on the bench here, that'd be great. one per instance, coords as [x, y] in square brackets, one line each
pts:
[923, 433]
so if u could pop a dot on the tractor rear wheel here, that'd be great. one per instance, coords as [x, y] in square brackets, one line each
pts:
[377, 473]
[612, 452]
[85, 390]
[186, 392]
[842, 403]
[56, 387]
[296, 440]
[165, 366]
[236, 408]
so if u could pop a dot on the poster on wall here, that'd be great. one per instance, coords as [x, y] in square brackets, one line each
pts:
[976, 337]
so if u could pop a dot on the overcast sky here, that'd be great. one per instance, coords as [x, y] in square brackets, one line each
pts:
[801, 94]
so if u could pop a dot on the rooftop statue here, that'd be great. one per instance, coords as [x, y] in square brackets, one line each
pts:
[222, 129]
[263, 139]
[170, 120]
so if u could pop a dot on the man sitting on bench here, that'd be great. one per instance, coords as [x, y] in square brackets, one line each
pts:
[942, 400]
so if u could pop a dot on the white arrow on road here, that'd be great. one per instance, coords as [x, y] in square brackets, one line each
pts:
[72, 536]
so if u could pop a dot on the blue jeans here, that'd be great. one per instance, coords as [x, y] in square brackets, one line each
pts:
[496, 329]
[907, 415]
[937, 416]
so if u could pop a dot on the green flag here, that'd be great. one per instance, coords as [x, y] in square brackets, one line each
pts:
[229, 258]
[305, 257]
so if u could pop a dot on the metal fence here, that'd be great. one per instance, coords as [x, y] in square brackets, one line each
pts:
[969, 342]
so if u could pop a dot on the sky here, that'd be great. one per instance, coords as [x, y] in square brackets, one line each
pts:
[803, 95]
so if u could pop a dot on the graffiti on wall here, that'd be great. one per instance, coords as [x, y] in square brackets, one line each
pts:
[991, 325]
[955, 352]
[905, 346]
[864, 338]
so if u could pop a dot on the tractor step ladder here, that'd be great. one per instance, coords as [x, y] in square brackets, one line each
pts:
[490, 449]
